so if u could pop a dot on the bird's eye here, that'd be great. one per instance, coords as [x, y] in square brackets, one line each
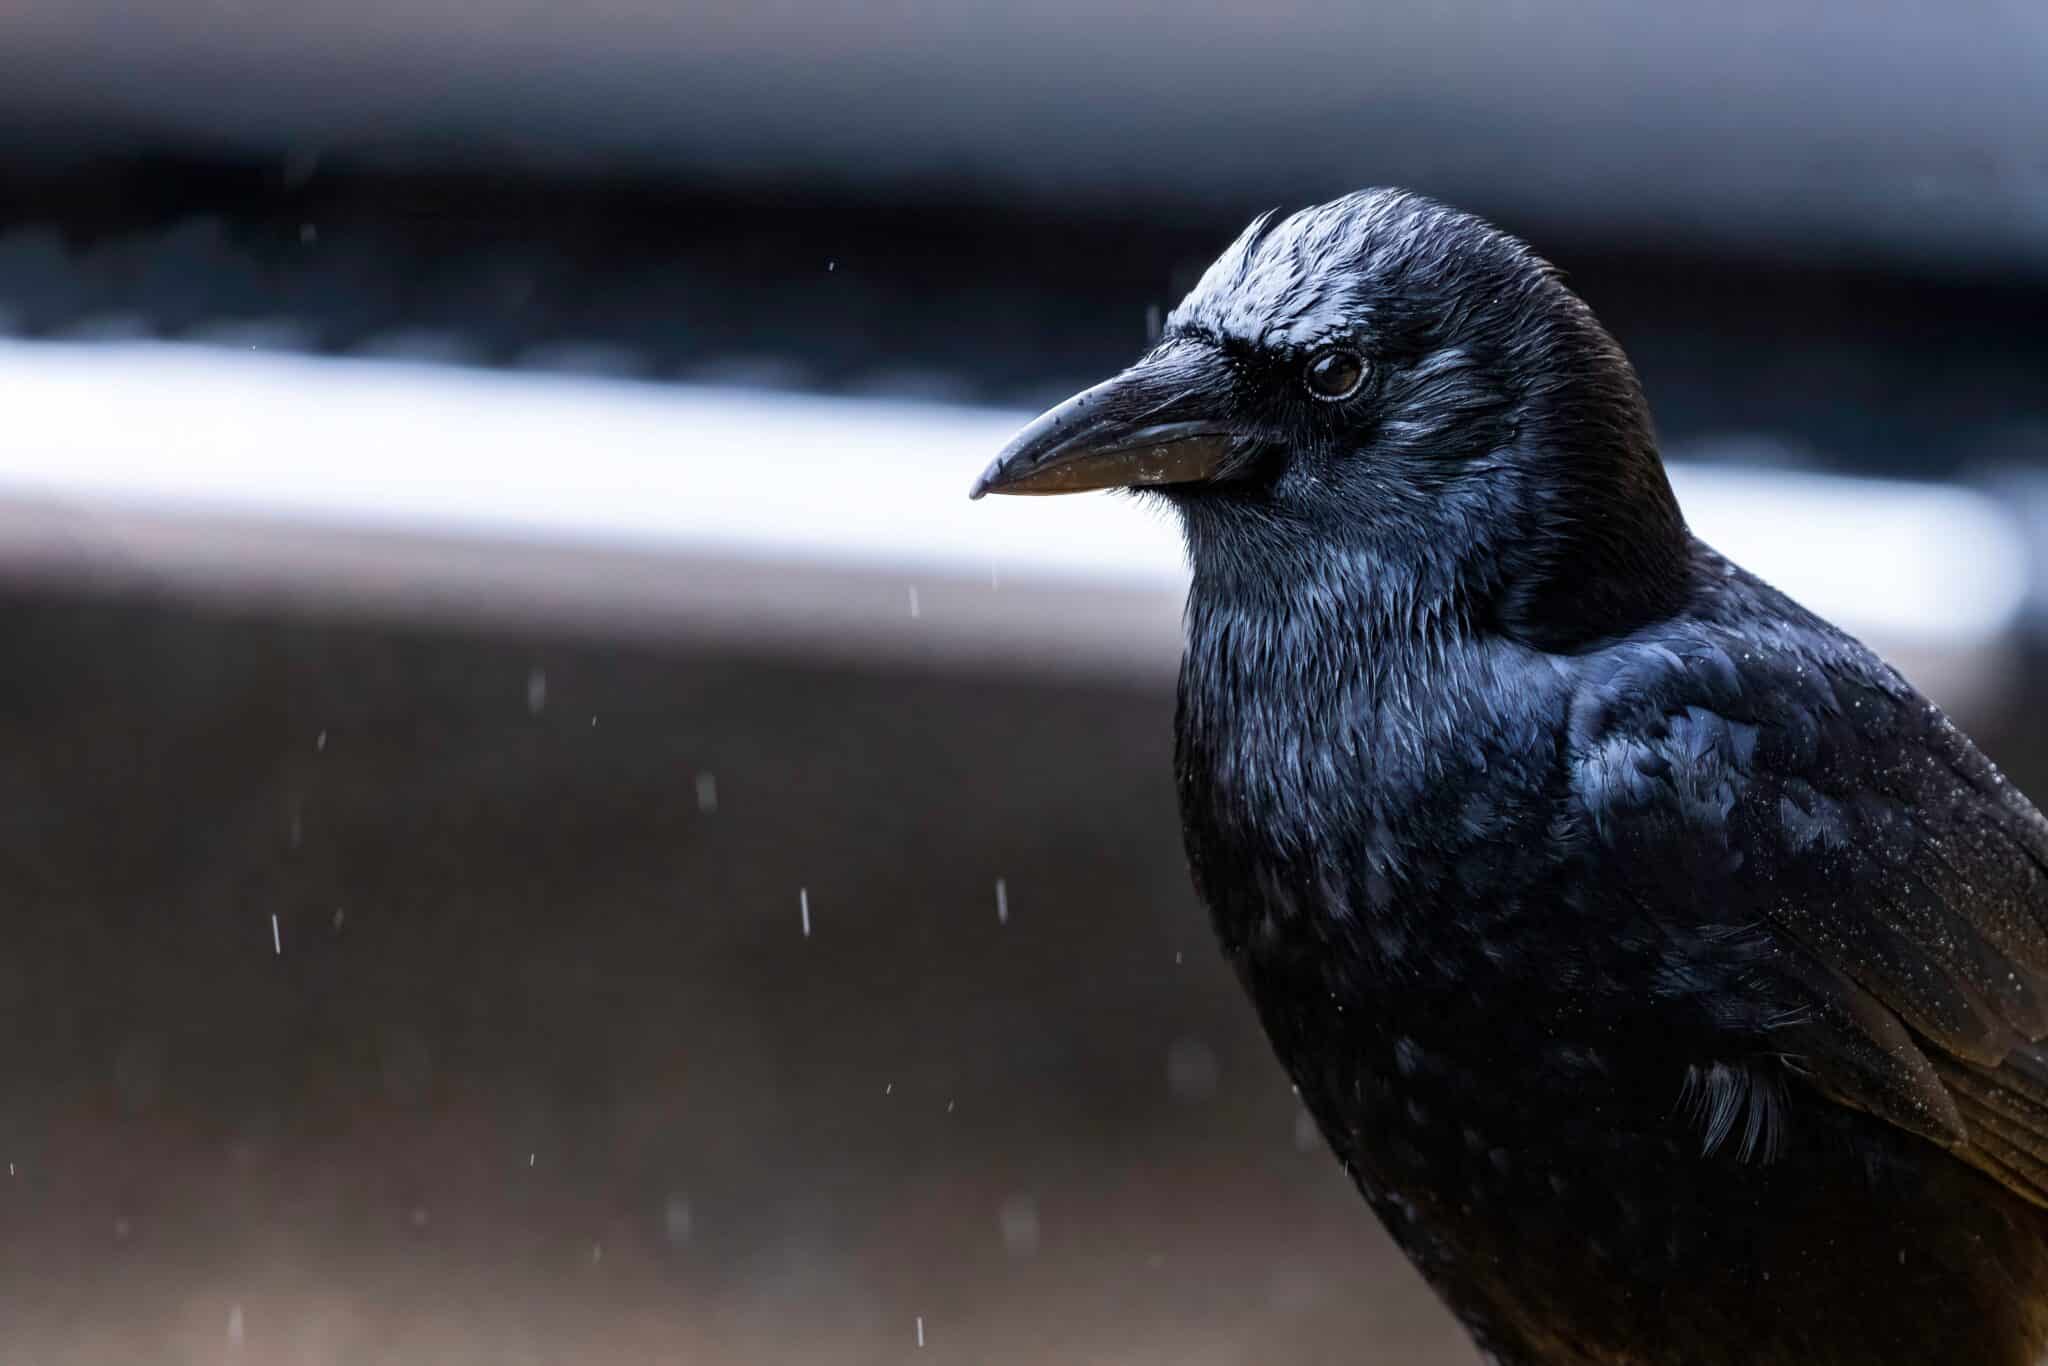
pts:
[1334, 374]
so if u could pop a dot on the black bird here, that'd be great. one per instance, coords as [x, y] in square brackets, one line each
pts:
[1669, 974]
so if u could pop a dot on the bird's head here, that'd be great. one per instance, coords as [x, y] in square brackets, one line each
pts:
[1387, 387]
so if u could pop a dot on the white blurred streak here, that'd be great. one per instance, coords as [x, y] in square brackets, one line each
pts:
[435, 449]
[763, 519]
[1915, 564]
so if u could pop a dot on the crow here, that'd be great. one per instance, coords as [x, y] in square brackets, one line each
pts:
[1668, 974]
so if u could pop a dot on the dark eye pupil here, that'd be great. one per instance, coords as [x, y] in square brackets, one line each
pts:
[1334, 374]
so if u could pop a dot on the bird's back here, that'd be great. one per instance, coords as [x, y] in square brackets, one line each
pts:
[1558, 970]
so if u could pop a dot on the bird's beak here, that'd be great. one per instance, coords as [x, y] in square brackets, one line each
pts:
[1156, 423]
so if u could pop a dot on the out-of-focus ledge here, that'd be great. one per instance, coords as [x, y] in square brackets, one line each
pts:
[838, 613]
[788, 523]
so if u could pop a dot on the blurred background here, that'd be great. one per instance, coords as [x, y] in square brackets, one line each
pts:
[537, 823]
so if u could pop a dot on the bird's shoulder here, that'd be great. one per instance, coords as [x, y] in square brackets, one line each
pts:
[1750, 766]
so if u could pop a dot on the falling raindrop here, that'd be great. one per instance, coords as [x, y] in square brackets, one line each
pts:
[276, 939]
[1002, 903]
[536, 691]
[920, 1330]
[803, 902]
[1304, 1131]
[913, 604]
[707, 792]
[320, 742]
[235, 1325]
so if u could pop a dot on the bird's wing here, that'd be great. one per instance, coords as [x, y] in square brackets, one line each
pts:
[1777, 778]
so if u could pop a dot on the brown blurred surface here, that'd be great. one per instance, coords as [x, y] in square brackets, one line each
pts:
[547, 1071]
